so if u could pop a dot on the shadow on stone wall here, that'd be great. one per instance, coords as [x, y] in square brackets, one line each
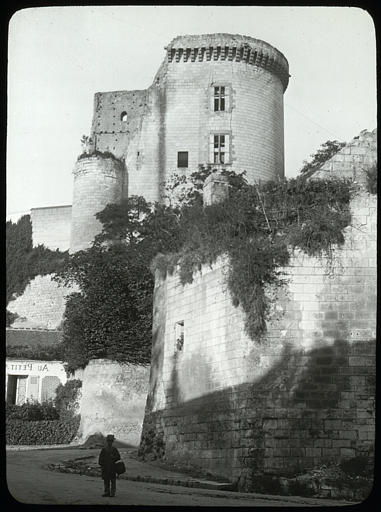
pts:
[299, 415]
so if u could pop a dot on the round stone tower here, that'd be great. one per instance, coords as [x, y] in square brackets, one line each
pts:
[223, 105]
[98, 180]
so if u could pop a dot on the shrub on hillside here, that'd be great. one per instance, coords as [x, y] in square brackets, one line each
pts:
[32, 411]
[43, 432]
[371, 179]
[51, 422]
[66, 400]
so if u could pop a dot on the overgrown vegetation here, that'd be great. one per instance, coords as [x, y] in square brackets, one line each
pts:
[371, 178]
[257, 227]
[103, 154]
[351, 479]
[24, 262]
[324, 153]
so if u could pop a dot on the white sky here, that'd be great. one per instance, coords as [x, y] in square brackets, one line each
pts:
[60, 56]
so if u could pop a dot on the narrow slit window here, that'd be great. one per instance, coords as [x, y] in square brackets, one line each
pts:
[179, 335]
[182, 159]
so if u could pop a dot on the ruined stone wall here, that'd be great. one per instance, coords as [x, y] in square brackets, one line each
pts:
[51, 227]
[42, 304]
[353, 159]
[117, 116]
[302, 397]
[117, 405]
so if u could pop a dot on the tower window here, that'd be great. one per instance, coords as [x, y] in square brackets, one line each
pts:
[219, 98]
[123, 117]
[219, 148]
[220, 95]
[182, 159]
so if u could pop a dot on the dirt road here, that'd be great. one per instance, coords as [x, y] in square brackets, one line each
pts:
[29, 481]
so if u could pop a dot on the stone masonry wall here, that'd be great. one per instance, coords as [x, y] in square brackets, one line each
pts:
[51, 227]
[254, 122]
[303, 396]
[42, 304]
[98, 181]
[115, 407]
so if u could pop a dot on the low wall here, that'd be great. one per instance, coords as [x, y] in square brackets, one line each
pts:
[113, 400]
[51, 227]
[301, 397]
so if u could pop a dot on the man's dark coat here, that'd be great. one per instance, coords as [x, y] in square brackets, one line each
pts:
[107, 458]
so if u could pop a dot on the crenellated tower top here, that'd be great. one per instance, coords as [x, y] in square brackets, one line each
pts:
[209, 47]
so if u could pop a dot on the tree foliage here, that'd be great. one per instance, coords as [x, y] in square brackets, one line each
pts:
[111, 317]
[18, 249]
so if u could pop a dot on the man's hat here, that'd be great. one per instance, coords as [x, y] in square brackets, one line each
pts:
[110, 437]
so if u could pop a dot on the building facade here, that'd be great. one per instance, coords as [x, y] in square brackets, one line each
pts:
[32, 375]
[32, 380]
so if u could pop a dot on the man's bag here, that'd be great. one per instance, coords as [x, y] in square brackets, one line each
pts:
[120, 467]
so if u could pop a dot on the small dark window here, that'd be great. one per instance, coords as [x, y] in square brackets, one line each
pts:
[123, 117]
[182, 159]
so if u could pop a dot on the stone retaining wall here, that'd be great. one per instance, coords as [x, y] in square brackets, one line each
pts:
[302, 397]
[113, 398]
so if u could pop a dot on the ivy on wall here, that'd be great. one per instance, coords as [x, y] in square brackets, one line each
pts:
[24, 262]
[258, 226]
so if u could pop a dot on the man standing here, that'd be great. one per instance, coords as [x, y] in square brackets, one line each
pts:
[107, 458]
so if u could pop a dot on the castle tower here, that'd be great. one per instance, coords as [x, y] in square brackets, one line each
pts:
[224, 104]
[98, 180]
[216, 99]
